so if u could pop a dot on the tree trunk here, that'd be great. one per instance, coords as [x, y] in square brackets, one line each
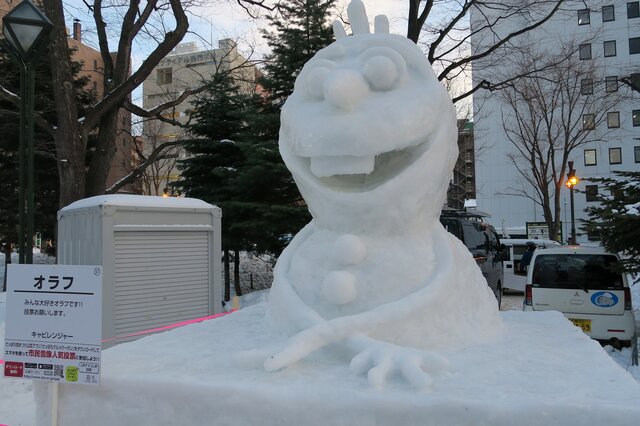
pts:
[236, 272]
[102, 157]
[70, 145]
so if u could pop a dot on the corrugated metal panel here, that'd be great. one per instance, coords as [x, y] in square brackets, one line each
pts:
[160, 278]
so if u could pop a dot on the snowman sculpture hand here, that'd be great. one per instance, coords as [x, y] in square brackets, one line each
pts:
[369, 135]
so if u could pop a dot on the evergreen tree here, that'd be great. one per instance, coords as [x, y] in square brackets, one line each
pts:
[46, 180]
[247, 178]
[214, 160]
[616, 220]
[268, 204]
[271, 208]
[301, 29]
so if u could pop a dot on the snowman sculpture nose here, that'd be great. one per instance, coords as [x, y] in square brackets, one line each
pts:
[345, 88]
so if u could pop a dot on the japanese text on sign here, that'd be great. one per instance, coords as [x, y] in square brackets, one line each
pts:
[53, 323]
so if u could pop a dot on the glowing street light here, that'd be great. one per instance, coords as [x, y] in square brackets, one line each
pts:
[572, 180]
[24, 28]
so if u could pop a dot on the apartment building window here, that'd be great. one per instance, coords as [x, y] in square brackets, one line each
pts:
[590, 158]
[633, 9]
[164, 75]
[95, 65]
[608, 14]
[615, 155]
[588, 122]
[611, 83]
[634, 45]
[609, 48]
[613, 120]
[585, 50]
[95, 85]
[636, 117]
[636, 154]
[591, 192]
[586, 86]
[583, 17]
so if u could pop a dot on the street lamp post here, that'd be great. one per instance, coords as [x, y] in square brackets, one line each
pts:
[572, 180]
[24, 28]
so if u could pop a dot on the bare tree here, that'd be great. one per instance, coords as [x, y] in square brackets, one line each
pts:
[546, 116]
[162, 23]
[157, 175]
[447, 28]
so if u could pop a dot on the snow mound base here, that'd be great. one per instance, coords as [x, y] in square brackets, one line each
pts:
[542, 371]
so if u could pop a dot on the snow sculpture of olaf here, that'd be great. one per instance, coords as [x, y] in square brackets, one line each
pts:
[369, 135]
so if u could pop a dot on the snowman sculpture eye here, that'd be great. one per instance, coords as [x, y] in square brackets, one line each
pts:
[315, 77]
[382, 68]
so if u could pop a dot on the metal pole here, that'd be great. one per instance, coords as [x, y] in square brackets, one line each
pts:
[564, 225]
[573, 219]
[22, 165]
[30, 172]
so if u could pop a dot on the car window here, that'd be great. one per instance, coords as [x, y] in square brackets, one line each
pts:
[474, 236]
[453, 226]
[579, 271]
[518, 251]
[493, 239]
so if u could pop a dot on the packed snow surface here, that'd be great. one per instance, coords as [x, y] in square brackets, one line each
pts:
[541, 371]
[154, 379]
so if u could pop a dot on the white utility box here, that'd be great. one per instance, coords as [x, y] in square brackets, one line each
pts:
[161, 259]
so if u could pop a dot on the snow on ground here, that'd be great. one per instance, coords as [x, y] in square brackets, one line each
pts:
[196, 376]
[17, 402]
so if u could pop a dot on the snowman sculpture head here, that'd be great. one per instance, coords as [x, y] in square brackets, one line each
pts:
[369, 133]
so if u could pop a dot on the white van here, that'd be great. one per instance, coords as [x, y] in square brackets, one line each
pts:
[513, 251]
[584, 284]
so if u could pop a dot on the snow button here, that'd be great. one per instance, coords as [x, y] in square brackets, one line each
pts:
[339, 287]
[349, 250]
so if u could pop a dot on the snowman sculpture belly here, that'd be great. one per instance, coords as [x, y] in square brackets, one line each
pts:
[369, 135]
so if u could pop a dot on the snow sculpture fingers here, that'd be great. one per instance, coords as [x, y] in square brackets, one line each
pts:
[380, 360]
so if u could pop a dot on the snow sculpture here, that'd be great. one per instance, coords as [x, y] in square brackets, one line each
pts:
[369, 135]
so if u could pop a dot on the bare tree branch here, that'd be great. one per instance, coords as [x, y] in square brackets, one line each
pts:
[502, 42]
[118, 95]
[546, 117]
[137, 173]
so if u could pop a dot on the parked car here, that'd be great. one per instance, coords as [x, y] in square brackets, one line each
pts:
[482, 241]
[513, 249]
[585, 285]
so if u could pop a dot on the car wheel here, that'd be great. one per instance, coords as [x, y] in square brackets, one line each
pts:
[617, 344]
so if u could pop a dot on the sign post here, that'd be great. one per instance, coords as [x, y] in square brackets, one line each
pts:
[540, 231]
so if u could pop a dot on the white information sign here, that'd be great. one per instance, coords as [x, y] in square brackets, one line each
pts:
[53, 323]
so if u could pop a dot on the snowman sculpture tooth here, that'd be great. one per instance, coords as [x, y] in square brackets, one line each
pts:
[369, 134]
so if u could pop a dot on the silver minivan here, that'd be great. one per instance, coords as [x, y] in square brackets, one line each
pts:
[584, 283]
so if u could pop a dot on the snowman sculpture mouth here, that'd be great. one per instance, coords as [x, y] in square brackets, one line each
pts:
[351, 173]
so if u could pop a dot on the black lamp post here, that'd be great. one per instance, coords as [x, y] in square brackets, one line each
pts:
[23, 28]
[572, 180]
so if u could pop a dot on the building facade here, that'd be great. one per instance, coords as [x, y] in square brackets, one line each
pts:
[186, 68]
[463, 184]
[606, 38]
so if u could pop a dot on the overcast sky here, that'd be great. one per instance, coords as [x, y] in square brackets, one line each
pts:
[226, 19]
